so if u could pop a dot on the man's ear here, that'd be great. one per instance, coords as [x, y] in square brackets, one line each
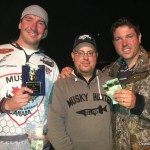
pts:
[72, 55]
[19, 26]
[97, 54]
[140, 37]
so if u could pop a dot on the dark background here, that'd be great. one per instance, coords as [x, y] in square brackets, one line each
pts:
[68, 18]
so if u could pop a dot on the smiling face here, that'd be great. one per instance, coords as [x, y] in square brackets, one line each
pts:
[32, 30]
[85, 59]
[127, 43]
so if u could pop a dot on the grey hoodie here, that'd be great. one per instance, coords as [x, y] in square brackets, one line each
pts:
[79, 116]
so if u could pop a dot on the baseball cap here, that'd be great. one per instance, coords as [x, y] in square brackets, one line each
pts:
[84, 39]
[37, 11]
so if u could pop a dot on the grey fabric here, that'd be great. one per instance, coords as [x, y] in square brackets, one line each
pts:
[11, 145]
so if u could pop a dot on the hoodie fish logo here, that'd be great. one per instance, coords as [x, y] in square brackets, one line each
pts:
[93, 111]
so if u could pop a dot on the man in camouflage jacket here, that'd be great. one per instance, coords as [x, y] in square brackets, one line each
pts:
[131, 126]
[134, 125]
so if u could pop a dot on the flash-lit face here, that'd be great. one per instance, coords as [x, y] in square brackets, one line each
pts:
[32, 30]
[127, 43]
[85, 60]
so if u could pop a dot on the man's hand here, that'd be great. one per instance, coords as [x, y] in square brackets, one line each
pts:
[65, 72]
[125, 98]
[19, 99]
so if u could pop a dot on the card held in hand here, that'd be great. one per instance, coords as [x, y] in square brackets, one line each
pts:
[110, 87]
[33, 77]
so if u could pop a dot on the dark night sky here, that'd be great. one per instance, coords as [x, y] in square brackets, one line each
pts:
[69, 18]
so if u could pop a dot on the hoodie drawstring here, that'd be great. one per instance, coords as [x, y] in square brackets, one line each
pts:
[99, 90]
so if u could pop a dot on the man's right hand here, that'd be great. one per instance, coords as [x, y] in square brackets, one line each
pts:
[19, 99]
[65, 72]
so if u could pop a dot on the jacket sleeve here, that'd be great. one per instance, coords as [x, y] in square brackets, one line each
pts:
[139, 105]
[56, 120]
[142, 88]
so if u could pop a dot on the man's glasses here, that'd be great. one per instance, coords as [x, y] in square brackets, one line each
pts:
[82, 54]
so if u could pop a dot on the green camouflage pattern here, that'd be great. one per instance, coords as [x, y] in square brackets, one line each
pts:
[132, 132]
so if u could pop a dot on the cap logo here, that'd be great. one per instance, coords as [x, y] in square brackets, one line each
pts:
[83, 37]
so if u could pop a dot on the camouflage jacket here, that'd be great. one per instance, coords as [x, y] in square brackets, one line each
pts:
[132, 131]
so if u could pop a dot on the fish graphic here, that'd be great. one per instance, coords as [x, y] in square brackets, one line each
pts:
[93, 111]
[47, 61]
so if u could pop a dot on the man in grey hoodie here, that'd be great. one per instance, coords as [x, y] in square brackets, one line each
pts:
[79, 116]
